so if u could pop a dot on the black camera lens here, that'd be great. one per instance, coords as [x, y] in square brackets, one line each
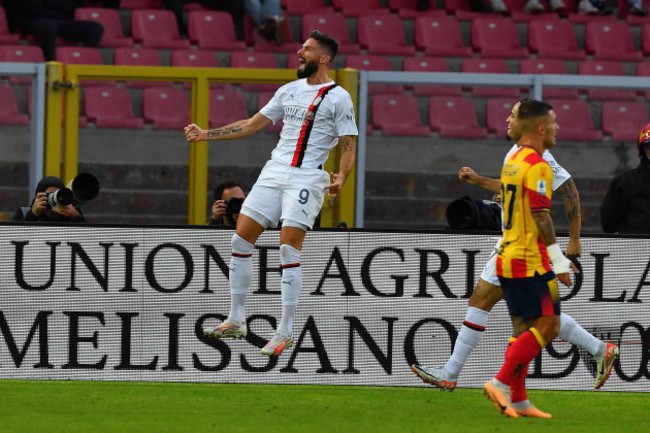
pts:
[60, 197]
[233, 207]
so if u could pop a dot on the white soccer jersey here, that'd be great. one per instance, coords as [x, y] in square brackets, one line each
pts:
[314, 117]
[560, 175]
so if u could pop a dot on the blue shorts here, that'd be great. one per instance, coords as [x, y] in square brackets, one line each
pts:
[532, 297]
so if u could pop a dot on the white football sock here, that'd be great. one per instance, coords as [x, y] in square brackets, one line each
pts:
[241, 273]
[468, 338]
[291, 282]
[575, 334]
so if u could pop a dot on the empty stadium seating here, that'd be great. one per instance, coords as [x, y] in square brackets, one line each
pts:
[333, 25]
[491, 66]
[113, 36]
[430, 64]
[574, 119]
[213, 30]
[554, 39]
[497, 38]
[301, 7]
[226, 106]
[611, 41]
[20, 53]
[406, 9]
[454, 116]
[440, 36]
[166, 108]
[259, 60]
[373, 63]
[82, 56]
[359, 8]
[156, 29]
[383, 35]
[139, 57]
[110, 107]
[623, 120]
[548, 66]
[9, 114]
[397, 115]
[595, 67]
[496, 113]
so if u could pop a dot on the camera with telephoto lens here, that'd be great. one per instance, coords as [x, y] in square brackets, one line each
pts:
[233, 207]
[60, 197]
[467, 213]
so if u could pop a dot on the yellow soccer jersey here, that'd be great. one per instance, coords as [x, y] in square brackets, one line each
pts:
[526, 187]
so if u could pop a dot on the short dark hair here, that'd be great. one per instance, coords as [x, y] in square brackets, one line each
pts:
[226, 184]
[327, 42]
[532, 108]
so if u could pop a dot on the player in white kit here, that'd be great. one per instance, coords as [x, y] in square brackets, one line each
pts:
[488, 290]
[317, 114]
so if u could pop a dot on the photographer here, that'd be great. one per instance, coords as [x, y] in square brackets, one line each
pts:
[228, 196]
[43, 209]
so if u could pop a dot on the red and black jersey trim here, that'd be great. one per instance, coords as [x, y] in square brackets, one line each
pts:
[290, 265]
[473, 326]
[241, 255]
[305, 130]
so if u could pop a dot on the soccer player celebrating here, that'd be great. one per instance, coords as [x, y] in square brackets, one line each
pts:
[488, 290]
[526, 251]
[317, 114]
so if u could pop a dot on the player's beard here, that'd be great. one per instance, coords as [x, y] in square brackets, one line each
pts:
[309, 69]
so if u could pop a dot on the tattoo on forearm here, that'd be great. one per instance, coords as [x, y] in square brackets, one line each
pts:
[227, 130]
[571, 198]
[348, 143]
[545, 227]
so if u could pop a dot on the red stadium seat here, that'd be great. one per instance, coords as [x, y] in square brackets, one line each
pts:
[594, 67]
[461, 9]
[258, 60]
[548, 66]
[113, 36]
[517, 10]
[21, 54]
[301, 7]
[430, 64]
[166, 108]
[440, 36]
[9, 114]
[157, 29]
[262, 99]
[226, 107]
[83, 56]
[397, 115]
[383, 35]
[496, 113]
[624, 120]
[331, 24]
[406, 9]
[574, 119]
[373, 63]
[213, 30]
[554, 39]
[358, 8]
[645, 38]
[454, 116]
[491, 66]
[110, 107]
[611, 40]
[197, 59]
[5, 36]
[140, 57]
[497, 37]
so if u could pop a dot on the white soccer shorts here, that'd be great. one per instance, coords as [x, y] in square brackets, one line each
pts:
[289, 194]
[489, 273]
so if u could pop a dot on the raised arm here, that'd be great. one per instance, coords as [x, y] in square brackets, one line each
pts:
[349, 145]
[470, 176]
[240, 129]
[571, 198]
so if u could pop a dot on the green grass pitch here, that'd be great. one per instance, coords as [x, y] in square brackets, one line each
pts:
[76, 406]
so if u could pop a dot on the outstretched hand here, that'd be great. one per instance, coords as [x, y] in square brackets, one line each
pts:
[565, 278]
[193, 133]
[335, 187]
